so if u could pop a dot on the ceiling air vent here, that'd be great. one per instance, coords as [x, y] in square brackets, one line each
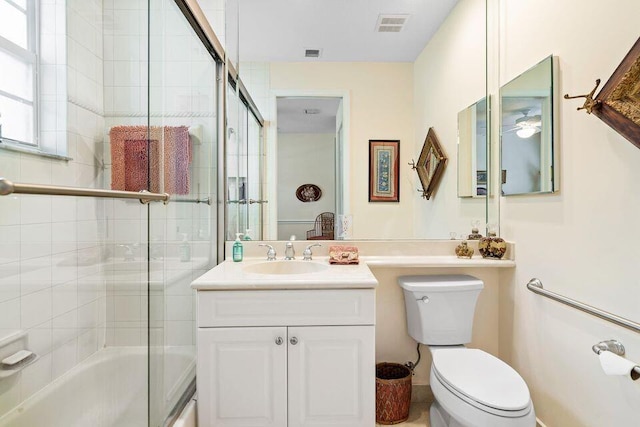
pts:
[312, 53]
[391, 23]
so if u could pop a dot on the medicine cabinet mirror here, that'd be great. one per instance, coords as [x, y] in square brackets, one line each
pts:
[527, 132]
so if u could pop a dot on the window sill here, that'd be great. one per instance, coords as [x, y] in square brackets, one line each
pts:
[32, 151]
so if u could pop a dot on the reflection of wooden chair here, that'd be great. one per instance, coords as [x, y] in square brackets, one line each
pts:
[323, 228]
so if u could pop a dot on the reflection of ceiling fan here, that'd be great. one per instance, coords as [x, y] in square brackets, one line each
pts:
[526, 126]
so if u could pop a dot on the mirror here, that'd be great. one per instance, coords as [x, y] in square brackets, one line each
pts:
[308, 185]
[527, 132]
[394, 75]
[472, 150]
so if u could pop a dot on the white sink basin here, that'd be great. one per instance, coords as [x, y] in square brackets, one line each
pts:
[285, 267]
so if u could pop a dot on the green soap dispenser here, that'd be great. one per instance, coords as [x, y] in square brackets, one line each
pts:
[237, 249]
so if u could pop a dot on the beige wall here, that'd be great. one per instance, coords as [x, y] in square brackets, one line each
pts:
[582, 241]
[381, 107]
[449, 76]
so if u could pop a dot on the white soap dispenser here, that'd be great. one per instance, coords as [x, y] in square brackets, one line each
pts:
[184, 250]
[237, 249]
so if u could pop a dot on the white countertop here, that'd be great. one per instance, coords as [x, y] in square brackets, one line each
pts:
[231, 275]
[435, 261]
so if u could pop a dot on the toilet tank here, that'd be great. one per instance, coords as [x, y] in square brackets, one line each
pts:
[440, 308]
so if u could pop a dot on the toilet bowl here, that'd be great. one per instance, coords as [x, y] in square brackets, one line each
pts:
[471, 387]
[477, 389]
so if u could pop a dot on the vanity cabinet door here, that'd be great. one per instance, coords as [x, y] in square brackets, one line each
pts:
[242, 377]
[331, 376]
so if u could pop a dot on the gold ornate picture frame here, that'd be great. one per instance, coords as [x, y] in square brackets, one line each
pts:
[618, 103]
[431, 164]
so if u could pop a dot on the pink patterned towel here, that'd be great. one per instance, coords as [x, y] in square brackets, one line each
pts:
[343, 255]
[154, 158]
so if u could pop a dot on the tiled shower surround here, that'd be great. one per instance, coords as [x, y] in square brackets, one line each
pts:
[65, 276]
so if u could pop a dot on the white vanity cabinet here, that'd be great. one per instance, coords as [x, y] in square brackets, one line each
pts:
[286, 358]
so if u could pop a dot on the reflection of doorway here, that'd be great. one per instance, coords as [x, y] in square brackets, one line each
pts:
[309, 136]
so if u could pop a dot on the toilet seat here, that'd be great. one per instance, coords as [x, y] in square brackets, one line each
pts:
[481, 380]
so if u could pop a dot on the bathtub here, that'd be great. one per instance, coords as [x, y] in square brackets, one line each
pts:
[108, 389]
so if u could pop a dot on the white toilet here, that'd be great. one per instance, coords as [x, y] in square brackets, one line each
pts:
[471, 388]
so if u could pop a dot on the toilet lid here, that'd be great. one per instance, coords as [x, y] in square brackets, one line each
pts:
[482, 377]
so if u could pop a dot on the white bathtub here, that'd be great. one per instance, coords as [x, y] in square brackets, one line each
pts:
[109, 389]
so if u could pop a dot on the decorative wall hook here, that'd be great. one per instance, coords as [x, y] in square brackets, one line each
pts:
[589, 103]
[412, 163]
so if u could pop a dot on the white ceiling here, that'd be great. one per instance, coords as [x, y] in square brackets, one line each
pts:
[280, 30]
[292, 118]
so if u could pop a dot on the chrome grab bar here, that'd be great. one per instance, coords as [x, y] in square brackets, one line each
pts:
[8, 187]
[535, 286]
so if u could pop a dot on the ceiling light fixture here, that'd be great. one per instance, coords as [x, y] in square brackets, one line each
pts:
[526, 131]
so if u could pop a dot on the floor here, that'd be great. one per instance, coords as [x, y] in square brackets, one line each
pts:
[418, 416]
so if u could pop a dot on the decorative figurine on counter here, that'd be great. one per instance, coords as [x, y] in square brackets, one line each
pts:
[492, 246]
[463, 250]
[475, 235]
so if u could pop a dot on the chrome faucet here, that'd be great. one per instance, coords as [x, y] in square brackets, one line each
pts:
[271, 253]
[289, 251]
[306, 254]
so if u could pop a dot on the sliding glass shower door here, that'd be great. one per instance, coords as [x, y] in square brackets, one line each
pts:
[97, 287]
[182, 101]
[244, 170]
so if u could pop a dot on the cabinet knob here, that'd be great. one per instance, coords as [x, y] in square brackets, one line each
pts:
[279, 341]
[293, 340]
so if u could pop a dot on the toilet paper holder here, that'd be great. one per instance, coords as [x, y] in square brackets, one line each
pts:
[614, 346]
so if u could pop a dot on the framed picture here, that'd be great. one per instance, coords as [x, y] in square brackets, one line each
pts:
[619, 99]
[431, 164]
[384, 170]
[481, 177]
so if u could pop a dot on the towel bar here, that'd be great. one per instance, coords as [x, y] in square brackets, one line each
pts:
[535, 286]
[206, 201]
[8, 187]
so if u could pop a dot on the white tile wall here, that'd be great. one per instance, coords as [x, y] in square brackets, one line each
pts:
[44, 288]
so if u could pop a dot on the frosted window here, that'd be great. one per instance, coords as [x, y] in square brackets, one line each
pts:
[17, 120]
[13, 23]
[18, 61]
[17, 77]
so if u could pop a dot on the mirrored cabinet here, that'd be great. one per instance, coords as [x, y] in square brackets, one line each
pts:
[527, 132]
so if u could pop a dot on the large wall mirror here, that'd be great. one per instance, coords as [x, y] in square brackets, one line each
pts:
[527, 131]
[391, 75]
[472, 150]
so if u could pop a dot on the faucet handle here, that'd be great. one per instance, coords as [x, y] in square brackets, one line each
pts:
[271, 253]
[307, 252]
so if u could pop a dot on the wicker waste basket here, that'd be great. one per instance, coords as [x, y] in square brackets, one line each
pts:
[393, 393]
